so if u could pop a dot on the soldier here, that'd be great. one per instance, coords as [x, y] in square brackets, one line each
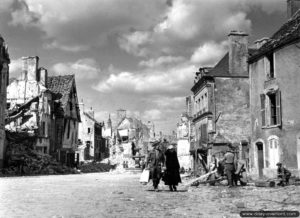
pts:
[283, 174]
[155, 162]
[229, 166]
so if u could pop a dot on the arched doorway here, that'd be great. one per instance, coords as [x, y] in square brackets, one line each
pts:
[260, 158]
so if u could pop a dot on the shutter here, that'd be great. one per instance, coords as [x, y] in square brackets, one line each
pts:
[263, 109]
[278, 107]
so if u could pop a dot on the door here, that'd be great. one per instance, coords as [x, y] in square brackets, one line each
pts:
[298, 151]
[260, 158]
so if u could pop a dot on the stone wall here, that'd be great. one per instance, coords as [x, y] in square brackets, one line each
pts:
[286, 80]
[232, 104]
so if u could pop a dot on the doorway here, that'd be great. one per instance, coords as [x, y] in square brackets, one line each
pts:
[260, 158]
[298, 151]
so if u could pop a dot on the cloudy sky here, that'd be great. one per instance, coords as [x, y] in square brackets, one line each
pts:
[132, 54]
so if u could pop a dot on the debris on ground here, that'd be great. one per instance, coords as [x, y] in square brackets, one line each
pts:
[93, 167]
[23, 159]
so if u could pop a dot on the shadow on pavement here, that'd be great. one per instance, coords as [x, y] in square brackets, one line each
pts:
[152, 190]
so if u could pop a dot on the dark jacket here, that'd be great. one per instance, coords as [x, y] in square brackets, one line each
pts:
[155, 159]
[172, 176]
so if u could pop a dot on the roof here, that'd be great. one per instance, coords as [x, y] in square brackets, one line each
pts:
[288, 33]
[61, 85]
[222, 67]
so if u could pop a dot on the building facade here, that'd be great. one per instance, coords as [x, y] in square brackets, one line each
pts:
[93, 144]
[221, 113]
[275, 115]
[4, 76]
[67, 117]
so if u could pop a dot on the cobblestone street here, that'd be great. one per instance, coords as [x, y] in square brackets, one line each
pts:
[121, 195]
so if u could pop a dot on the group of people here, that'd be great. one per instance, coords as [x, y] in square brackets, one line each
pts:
[232, 170]
[163, 165]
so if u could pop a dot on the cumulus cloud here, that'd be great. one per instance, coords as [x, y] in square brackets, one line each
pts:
[209, 53]
[187, 24]
[135, 42]
[172, 81]
[74, 48]
[153, 115]
[86, 23]
[83, 68]
[163, 60]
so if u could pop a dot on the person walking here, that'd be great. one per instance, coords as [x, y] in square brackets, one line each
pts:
[229, 166]
[172, 175]
[155, 163]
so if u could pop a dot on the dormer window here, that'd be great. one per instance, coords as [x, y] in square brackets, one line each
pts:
[270, 66]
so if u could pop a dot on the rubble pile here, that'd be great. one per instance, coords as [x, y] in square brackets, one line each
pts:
[94, 167]
[23, 159]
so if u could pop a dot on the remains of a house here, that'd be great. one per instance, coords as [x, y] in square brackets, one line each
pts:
[132, 140]
[31, 104]
[4, 76]
[46, 107]
[275, 115]
[221, 105]
[67, 117]
[91, 144]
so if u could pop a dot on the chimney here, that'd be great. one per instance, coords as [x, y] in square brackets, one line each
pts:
[238, 53]
[42, 76]
[30, 68]
[292, 7]
[261, 42]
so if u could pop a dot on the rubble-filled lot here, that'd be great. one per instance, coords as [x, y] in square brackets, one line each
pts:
[121, 195]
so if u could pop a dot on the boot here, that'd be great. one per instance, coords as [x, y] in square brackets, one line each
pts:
[170, 187]
[174, 188]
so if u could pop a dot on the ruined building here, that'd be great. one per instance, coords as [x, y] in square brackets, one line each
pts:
[31, 104]
[4, 76]
[221, 112]
[67, 117]
[46, 107]
[90, 136]
[275, 116]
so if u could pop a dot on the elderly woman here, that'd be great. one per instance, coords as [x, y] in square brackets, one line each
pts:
[172, 176]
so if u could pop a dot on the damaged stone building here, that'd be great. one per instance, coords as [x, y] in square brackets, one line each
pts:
[4, 76]
[31, 105]
[221, 112]
[46, 107]
[91, 143]
[275, 116]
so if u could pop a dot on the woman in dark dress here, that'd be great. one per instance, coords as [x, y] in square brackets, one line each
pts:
[172, 176]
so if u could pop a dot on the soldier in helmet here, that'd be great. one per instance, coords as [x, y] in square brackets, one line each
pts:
[283, 175]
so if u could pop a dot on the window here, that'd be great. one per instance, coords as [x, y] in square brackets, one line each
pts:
[203, 132]
[89, 130]
[273, 142]
[271, 109]
[69, 127]
[43, 128]
[270, 66]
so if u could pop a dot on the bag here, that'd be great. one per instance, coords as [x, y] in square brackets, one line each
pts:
[144, 179]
